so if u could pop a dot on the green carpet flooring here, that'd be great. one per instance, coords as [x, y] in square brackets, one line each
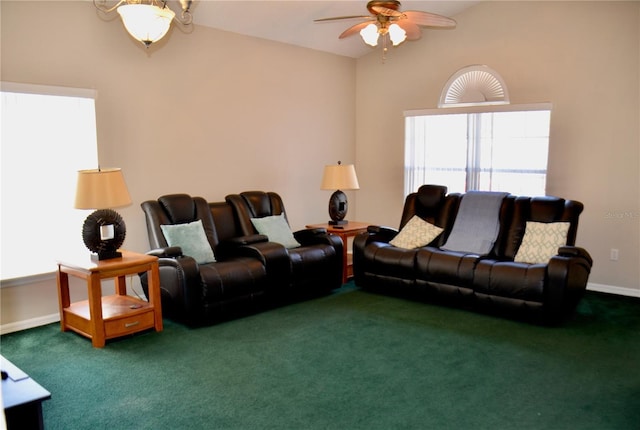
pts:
[351, 360]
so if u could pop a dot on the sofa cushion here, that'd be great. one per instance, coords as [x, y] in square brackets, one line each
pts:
[416, 233]
[191, 238]
[277, 229]
[389, 262]
[520, 282]
[541, 241]
[435, 265]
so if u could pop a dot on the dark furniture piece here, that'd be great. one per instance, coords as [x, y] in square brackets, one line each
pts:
[202, 293]
[546, 291]
[22, 398]
[345, 231]
[315, 266]
[250, 272]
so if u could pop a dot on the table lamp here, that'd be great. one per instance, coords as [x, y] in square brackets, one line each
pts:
[104, 230]
[339, 177]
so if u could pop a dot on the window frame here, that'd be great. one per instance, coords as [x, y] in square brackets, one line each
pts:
[467, 110]
[58, 91]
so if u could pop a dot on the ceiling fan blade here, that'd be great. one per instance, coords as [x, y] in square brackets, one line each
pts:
[336, 18]
[354, 29]
[427, 19]
[412, 29]
[381, 10]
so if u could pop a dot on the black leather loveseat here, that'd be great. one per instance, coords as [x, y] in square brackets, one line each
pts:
[507, 276]
[232, 271]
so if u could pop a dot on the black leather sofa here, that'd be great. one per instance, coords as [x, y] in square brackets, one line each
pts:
[249, 273]
[545, 291]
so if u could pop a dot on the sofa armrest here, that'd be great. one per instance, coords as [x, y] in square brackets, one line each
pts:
[233, 246]
[247, 240]
[380, 233]
[275, 259]
[166, 252]
[179, 283]
[374, 233]
[186, 265]
[315, 236]
[318, 236]
[575, 251]
[264, 251]
[310, 235]
[568, 273]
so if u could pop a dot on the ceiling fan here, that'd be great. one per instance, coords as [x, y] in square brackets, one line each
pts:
[387, 19]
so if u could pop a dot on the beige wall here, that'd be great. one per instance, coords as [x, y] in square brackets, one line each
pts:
[207, 113]
[211, 112]
[583, 57]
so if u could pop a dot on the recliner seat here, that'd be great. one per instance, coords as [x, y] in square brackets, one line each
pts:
[315, 266]
[201, 293]
[552, 287]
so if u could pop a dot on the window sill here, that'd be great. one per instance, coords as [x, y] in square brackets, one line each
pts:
[24, 280]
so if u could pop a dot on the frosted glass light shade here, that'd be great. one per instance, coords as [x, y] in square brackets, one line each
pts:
[397, 34]
[370, 34]
[146, 23]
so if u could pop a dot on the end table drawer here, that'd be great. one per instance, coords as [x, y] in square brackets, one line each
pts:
[130, 324]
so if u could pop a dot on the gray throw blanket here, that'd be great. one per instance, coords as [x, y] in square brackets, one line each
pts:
[477, 224]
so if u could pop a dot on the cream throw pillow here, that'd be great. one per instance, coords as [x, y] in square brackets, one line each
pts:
[416, 233]
[541, 241]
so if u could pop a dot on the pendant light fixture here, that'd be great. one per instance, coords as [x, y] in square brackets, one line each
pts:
[147, 20]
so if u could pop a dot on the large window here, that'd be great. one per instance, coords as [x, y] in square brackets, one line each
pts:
[47, 135]
[501, 149]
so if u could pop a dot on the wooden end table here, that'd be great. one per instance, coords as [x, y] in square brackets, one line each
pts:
[100, 318]
[345, 231]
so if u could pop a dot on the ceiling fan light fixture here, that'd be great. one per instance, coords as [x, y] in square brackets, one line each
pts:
[397, 34]
[388, 23]
[370, 35]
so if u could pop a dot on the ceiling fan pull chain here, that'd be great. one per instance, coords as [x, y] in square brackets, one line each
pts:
[385, 47]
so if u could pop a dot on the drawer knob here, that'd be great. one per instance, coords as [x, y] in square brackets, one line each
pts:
[131, 324]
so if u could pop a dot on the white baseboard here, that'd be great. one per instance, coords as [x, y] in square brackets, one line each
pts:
[612, 289]
[30, 323]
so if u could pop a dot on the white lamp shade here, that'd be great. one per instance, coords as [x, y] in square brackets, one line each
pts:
[340, 177]
[146, 23]
[397, 34]
[370, 34]
[101, 189]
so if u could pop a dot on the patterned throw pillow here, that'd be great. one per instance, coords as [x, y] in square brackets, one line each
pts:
[416, 233]
[191, 238]
[541, 241]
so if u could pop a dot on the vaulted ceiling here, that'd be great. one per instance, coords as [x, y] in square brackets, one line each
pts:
[292, 21]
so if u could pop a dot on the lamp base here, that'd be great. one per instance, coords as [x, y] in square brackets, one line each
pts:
[107, 255]
[103, 233]
[338, 222]
[338, 208]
